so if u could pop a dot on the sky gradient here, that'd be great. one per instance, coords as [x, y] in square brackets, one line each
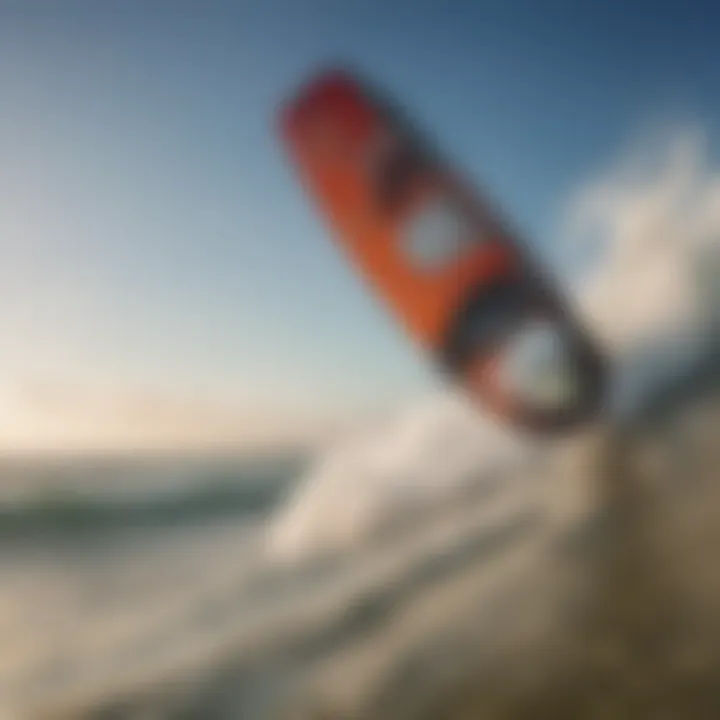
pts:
[162, 278]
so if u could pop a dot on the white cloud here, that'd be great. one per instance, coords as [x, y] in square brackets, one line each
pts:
[643, 223]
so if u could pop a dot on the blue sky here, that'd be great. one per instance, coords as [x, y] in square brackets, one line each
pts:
[155, 250]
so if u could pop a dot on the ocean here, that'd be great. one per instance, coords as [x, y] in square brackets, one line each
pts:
[119, 593]
[271, 589]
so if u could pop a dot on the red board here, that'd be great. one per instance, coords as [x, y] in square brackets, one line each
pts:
[428, 244]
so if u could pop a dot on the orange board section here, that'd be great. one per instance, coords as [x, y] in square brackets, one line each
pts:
[433, 249]
[407, 223]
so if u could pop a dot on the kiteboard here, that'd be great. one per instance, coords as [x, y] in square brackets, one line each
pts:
[438, 254]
